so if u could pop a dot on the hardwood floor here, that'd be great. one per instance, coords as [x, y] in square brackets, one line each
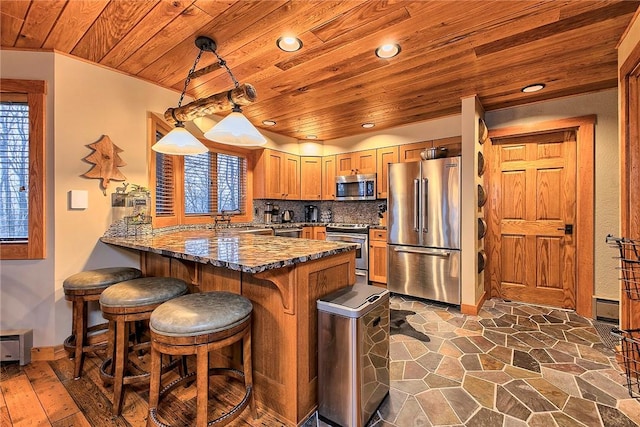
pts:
[45, 394]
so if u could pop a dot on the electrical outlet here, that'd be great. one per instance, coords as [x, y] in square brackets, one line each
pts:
[255, 211]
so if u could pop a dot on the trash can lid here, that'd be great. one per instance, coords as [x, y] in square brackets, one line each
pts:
[352, 301]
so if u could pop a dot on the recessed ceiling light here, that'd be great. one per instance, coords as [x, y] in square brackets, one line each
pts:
[368, 125]
[388, 50]
[533, 88]
[289, 44]
[311, 137]
[268, 122]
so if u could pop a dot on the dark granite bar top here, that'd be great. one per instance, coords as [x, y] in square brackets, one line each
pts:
[245, 252]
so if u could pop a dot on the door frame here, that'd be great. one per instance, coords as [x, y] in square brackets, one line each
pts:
[629, 167]
[585, 195]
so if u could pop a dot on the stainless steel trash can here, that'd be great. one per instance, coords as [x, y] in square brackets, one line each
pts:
[353, 354]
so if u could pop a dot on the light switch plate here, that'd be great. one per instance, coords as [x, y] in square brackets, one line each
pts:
[78, 199]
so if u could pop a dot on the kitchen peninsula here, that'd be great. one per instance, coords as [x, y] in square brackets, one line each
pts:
[283, 278]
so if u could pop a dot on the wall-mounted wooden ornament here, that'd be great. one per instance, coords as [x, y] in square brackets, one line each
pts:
[105, 161]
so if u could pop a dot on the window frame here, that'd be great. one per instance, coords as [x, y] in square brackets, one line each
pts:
[35, 247]
[180, 218]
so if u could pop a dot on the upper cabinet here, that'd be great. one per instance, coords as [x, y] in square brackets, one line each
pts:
[411, 152]
[277, 176]
[310, 178]
[328, 177]
[384, 156]
[358, 162]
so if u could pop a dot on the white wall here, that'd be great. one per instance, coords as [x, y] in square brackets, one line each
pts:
[607, 207]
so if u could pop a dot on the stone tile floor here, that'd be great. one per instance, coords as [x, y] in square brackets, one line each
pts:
[512, 365]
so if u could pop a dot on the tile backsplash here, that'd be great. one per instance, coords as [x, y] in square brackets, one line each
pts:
[360, 212]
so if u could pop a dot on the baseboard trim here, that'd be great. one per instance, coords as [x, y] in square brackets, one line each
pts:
[47, 354]
[473, 310]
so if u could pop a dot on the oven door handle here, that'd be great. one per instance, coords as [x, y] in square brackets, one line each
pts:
[359, 237]
[361, 273]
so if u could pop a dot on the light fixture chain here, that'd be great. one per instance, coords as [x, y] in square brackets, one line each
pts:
[186, 82]
[224, 65]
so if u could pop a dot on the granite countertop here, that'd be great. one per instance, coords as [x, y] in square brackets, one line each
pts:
[245, 252]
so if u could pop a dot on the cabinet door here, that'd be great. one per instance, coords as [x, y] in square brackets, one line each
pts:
[411, 152]
[310, 178]
[384, 157]
[274, 171]
[378, 257]
[307, 232]
[320, 233]
[291, 177]
[344, 164]
[328, 177]
[364, 161]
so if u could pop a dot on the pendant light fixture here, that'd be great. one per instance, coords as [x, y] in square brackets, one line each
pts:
[235, 129]
[180, 141]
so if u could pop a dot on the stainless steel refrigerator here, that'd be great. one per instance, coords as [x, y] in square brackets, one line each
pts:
[424, 229]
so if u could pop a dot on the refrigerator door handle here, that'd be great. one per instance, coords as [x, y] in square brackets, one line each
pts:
[432, 252]
[416, 205]
[425, 205]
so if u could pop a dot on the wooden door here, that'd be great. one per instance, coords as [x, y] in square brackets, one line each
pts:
[384, 157]
[328, 177]
[310, 178]
[378, 257]
[534, 200]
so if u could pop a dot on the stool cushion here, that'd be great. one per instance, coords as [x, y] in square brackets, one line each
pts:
[200, 313]
[143, 291]
[100, 278]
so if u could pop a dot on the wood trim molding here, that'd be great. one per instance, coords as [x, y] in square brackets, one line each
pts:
[629, 170]
[473, 310]
[585, 189]
[47, 354]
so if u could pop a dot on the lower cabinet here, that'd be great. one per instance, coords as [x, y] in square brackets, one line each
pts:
[315, 233]
[378, 257]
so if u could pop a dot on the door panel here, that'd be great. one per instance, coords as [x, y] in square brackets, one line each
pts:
[537, 198]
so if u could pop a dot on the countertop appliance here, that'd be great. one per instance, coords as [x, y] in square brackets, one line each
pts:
[424, 229]
[356, 187]
[287, 216]
[311, 213]
[353, 233]
[353, 354]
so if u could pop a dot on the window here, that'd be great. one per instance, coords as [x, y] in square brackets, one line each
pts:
[22, 180]
[205, 184]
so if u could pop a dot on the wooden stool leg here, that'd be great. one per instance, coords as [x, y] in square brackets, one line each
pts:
[154, 383]
[202, 384]
[247, 365]
[121, 357]
[80, 331]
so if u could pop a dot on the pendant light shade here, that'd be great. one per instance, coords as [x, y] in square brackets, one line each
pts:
[179, 142]
[236, 129]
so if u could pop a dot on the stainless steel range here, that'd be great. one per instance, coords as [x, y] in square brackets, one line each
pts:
[358, 234]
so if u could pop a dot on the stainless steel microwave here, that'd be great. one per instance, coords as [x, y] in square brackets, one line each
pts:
[356, 187]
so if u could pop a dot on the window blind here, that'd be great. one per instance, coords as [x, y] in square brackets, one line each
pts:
[165, 183]
[14, 168]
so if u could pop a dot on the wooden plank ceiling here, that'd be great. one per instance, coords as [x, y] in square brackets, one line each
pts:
[450, 49]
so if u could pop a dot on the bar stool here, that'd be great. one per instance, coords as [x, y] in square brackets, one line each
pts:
[198, 324]
[81, 288]
[122, 304]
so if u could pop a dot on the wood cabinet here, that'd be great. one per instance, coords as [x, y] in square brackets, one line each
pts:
[310, 178]
[411, 152]
[277, 176]
[315, 233]
[384, 156]
[378, 257]
[358, 162]
[328, 177]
